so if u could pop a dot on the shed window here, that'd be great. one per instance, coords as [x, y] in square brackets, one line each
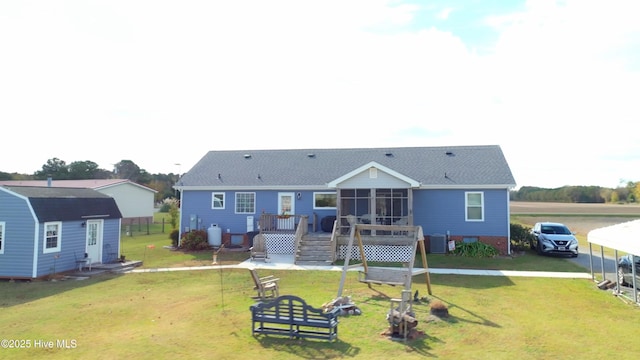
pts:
[2, 227]
[217, 200]
[52, 237]
[245, 203]
[474, 203]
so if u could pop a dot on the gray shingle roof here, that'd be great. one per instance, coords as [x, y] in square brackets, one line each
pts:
[61, 204]
[305, 168]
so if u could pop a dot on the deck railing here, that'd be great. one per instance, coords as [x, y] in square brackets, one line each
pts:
[273, 223]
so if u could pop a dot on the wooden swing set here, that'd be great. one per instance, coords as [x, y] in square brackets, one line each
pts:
[387, 275]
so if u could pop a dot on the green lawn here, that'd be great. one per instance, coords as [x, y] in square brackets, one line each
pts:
[205, 314]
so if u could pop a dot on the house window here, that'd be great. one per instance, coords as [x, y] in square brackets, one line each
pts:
[245, 203]
[324, 200]
[217, 200]
[2, 237]
[474, 206]
[52, 237]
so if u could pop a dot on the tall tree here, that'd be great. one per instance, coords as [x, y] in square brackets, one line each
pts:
[127, 169]
[79, 170]
[54, 168]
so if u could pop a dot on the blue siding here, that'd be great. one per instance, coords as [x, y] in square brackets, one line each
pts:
[72, 244]
[17, 260]
[439, 211]
[111, 236]
[198, 203]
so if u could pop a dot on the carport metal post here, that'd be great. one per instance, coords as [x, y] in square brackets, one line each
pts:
[634, 275]
[615, 255]
[601, 261]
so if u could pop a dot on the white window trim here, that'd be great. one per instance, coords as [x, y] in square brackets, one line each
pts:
[235, 204]
[3, 237]
[466, 205]
[324, 193]
[44, 238]
[224, 200]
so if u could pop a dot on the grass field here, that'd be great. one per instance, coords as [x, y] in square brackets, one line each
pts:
[205, 314]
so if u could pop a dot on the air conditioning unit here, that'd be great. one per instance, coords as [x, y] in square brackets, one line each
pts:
[438, 244]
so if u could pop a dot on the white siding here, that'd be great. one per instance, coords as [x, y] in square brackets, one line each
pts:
[381, 180]
[133, 201]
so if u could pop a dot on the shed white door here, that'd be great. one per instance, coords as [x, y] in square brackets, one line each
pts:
[94, 240]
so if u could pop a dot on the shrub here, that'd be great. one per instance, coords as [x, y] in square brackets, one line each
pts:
[475, 249]
[167, 203]
[194, 240]
[164, 208]
[173, 235]
[521, 237]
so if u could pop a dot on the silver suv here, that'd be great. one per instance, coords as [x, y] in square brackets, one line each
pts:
[554, 238]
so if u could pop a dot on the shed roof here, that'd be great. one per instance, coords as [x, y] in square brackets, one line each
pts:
[446, 166]
[96, 184]
[624, 237]
[61, 204]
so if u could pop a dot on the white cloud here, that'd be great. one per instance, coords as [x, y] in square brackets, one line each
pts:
[163, 82]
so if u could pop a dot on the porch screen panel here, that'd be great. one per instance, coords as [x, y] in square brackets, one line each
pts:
[392, 206]
[353, 202]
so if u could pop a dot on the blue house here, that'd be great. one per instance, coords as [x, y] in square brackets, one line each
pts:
[46, 230]
[458, 193]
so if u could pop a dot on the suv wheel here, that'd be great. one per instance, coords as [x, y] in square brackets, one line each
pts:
[621, 276]
[539, 248]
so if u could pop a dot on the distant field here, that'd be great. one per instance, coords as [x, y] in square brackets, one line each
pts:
[523, 207]
[580, 218]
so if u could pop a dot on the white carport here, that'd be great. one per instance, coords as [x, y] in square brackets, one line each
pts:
[623, 237]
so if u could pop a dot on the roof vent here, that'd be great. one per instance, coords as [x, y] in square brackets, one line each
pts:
[450, 153]
[247, 156]
[388, 154]
[311, 155]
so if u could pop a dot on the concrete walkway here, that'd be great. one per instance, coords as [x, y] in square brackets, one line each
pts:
[285, 262]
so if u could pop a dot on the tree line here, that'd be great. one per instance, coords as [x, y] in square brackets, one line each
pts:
[627, 193]
[57, 169]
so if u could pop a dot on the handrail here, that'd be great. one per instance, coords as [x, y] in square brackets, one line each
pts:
[334, 236]
[301, 230]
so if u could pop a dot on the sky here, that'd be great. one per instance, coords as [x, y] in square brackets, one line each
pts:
[554, 83]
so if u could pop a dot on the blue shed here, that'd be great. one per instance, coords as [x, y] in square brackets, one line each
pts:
[45, 230]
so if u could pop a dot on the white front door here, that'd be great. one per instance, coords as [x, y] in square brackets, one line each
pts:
[94, 240]
[286, 206]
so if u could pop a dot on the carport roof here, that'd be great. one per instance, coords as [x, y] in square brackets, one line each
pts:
[624, 237]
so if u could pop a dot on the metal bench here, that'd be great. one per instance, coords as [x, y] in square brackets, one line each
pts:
[291, 316]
